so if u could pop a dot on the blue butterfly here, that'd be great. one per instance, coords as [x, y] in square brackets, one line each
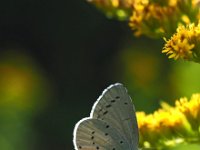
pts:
[112, 124]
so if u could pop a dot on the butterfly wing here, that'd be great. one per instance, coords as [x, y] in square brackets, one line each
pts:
[115, 107]
[94, 134]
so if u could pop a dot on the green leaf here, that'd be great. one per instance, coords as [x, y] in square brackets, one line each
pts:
[186, 147]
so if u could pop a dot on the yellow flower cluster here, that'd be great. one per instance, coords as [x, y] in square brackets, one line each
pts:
[169, 125]
[184, 43]
[120, 9]
[158, 18]
[153, 18]
[191, 109]
[161, 18]
[113, 3]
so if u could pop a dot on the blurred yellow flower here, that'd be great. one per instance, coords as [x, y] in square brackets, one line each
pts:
[114, 8]
[163, 127]
[23, 87]
[191, 109]
[169, 126]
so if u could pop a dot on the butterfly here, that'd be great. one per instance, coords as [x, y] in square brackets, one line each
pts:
[112, 124]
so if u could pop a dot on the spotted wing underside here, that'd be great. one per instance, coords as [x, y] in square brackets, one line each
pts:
[112, 124]
[115, 107]
[94, 134]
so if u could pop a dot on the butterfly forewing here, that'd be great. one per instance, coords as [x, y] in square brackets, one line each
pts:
[94, 134]
[115, 107]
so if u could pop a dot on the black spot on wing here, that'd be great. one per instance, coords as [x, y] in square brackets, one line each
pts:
[105, 112]
[117, 97]
[108, 106]
[113, 101]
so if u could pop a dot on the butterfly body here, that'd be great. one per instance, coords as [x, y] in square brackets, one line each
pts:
[112, 124]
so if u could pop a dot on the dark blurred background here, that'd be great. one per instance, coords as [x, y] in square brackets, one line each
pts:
[56, 57]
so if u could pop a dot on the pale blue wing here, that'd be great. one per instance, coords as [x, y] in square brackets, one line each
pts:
[115, 107]
[94, 134]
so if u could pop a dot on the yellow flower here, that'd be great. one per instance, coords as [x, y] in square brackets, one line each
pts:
[160, 18]
[147, 129]
[184, 43]
[119, 9]
[113, 3]
[191, 109]
[169, 126]
[153, 18]
[162, 127]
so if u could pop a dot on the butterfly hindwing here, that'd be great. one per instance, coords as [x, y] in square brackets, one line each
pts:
[115, 107]
[94, 134]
